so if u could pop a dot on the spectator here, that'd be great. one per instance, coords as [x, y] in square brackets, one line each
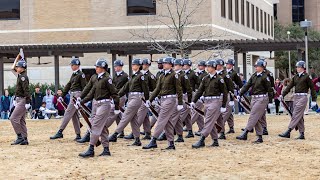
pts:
[5, 105]
[278, 88]
[288, 99]
[48, 99]
[45, 113]
[313, 73]
[37, 98]
[58, 105]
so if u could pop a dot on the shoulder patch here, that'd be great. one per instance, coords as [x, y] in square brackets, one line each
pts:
[176, 76]
[152, 76]
[142, 78]
[83, 76]
[23, 78]
[110, 81]
[221, 80]
[185, 76]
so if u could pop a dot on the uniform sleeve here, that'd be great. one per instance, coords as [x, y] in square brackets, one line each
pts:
[114, 95]
[246, 87]
[189, 89]
[124, 90]
[152, 82]
[145, 87]
[26, 90]
[178, 90]
[229, 84]
[199, 92]
[123, 81]
[290, 86]
[90, 95]
[238, 81]
[268, 86]
[83, 81]
[224, 90]
[66, 88]
[87, 89]
[196, 80]
[312, 89]
[156, 91]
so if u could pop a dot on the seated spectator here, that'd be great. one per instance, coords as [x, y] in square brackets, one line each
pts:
[5, 105]
[45, 113]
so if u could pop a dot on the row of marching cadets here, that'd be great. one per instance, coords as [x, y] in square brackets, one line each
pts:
[176, 97]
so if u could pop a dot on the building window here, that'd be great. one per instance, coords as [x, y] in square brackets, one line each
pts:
[223, 8]
[9, 9]
[275, 11]
[261, 21]
[230, 9]
[272, 26]
[237, 10]
[269, 24]
[297, 10]
[257, 18]
[242, 12]
[248, 14]
[265, 22]
[141, 7]
[252, 15]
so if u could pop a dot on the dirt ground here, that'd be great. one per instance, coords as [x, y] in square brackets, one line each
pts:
[275, 159]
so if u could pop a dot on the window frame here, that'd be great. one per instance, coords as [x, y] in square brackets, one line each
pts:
[142, 14]
[13, 19]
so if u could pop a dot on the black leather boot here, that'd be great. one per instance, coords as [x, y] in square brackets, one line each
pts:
[231, 130]
[25, 141]
[147, 136]
[259, 140]
[78, 137]
[190, 134]
[121, 135]
[130, 136]
[248, 131]
[179, 139]
[162, 137]
[105, 152]
[171, 146]
[222, 136]
[57, 135]
[137, 142]
[301, 136]
[88, 153]
[200, 143]
[86, 138]
[215, 143]
[198, 133]
[142, 133]
[286, 134]
[113, 137]
[244, 135]
[152, 144]
[265, 131]
[19, 140]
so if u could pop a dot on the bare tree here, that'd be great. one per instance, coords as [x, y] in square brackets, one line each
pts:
[175, 29]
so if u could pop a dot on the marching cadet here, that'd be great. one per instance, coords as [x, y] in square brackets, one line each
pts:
[195, 117]
[102, 90]
[237, 83]
[194, 82]
[23, 98]
[264, 118]
[169, 88]
[180, 116]
[75, 86]
[302, 82]
[211, 87]
[230, 88]
[137, 88]
[262, 93]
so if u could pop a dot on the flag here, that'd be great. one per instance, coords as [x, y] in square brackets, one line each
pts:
[21, 54]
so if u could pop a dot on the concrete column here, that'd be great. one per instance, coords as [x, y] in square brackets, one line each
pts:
[56, 73]
[235, 57]
[1, 76]
[130, 65]
[114, 58]
[244, 62]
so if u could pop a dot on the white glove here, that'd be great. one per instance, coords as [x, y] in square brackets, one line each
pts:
[239, 98]
[157, 99]
[179, 107]
[76, 106]
[192, 105]
[313, 104]
[147, 104]
[14, 103]
[27, 106]
[112, 104]
[270, 105]
[116, 112]
[318, 84]
[79, 99]
[231, 103]
[222, 109]
[202, 98]
[60, 99]
[280, 98]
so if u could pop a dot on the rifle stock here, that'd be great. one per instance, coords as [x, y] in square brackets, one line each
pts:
[151, 108]
[65, 107]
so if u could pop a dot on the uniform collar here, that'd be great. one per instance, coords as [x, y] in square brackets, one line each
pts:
[259, 74]
[76, 71]
[101, 74]
[213, 75]
[119, 73]
[135, 73]
[187, 71]
[200, 71]
[299, 74]
[167, 71]
[144, 71]
[220, 71]
[229, 70]
[178, 71]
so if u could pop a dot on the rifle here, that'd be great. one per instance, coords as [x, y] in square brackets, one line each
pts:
[151, 108]
[201, 113]
[65, 107]
[243, 104]
[85, 117]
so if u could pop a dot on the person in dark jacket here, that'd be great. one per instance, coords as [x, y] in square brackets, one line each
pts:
[5, 105]
[37, 97]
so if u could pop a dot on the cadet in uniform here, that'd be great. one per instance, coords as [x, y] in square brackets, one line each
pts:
[230, 88]
[195, 117]
[23, 98]
[302, 83]
[76, 84]
[211, 87]
[102, 90]
[194, 82]
[262, 93]
[137, 88]
[169, 88]
[237, 84]
[180, 116]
